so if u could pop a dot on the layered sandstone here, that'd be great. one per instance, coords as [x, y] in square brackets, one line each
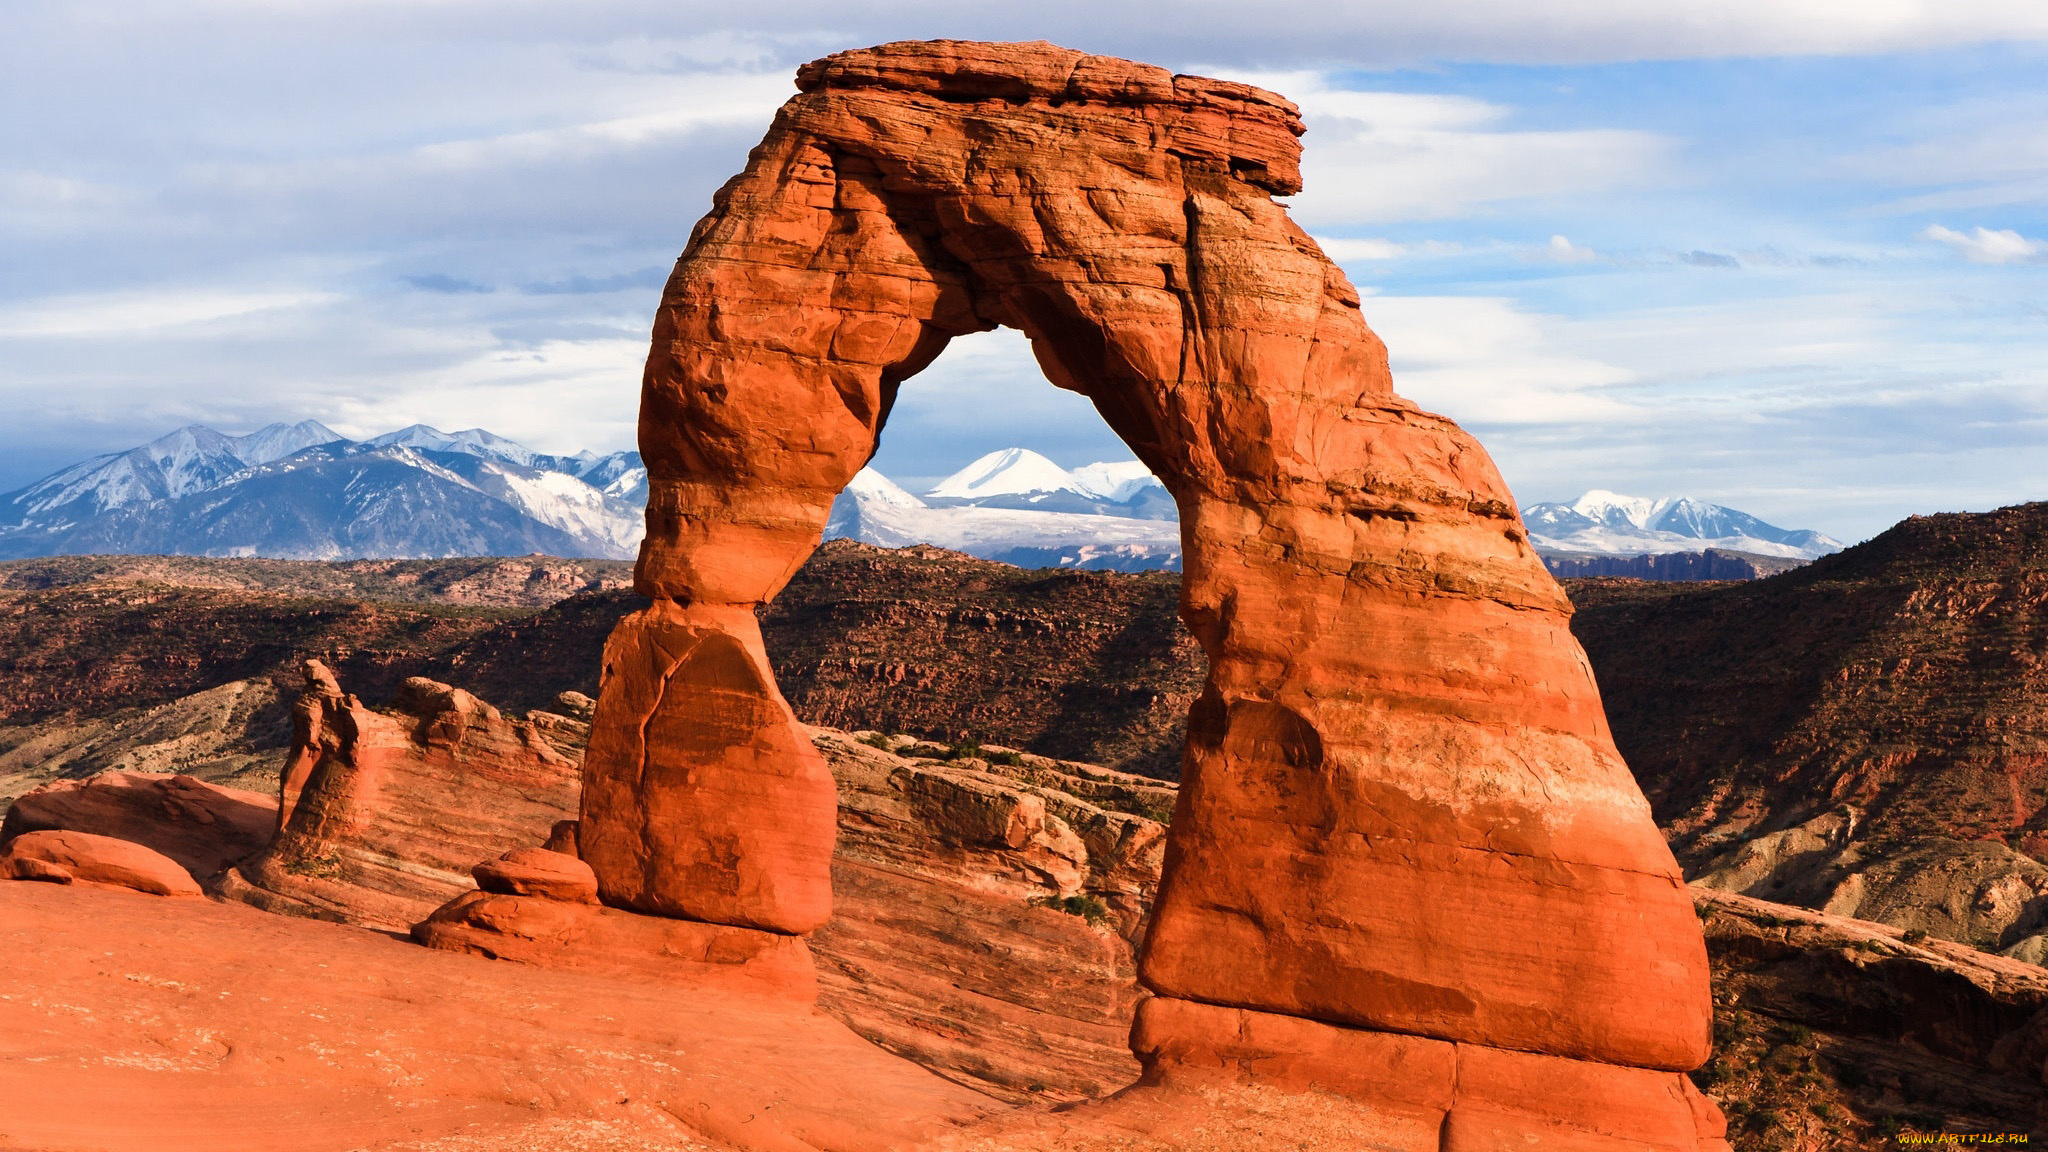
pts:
[382, 815]
[1401, 810]
[985, 912]
[1831, 1031]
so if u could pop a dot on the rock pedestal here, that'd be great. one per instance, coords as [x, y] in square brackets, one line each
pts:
[1402, 810]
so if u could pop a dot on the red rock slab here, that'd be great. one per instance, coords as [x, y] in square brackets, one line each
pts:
[204, 827]
[25, 868]
[586, 937]
[1450, 942]
[91, 859]
[139, 1025]
[1182, 1042]
[540, 872]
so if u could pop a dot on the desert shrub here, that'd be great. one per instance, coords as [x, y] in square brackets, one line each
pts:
[1088, 908]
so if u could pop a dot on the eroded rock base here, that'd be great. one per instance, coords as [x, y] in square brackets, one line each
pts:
[582, 937]
[1433, 1094]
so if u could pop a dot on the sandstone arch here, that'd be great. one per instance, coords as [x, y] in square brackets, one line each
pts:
[1401, 809]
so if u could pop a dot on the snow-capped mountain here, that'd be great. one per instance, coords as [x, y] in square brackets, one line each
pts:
[875, 510]
[1612, 524]
[303, 491]
[192, 459]
[1022, 479]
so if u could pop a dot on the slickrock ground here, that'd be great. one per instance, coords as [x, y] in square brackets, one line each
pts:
[128, 1023]
[1866, 735]
[129, 1026]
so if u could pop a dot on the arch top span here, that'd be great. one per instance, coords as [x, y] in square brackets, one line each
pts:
[1121, 217]
[1401, 808]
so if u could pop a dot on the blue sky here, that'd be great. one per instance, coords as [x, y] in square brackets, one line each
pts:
[1791, 257]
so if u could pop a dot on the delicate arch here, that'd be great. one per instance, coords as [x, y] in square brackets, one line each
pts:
[1401, 807]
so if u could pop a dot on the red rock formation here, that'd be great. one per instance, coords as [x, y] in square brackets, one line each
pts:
[984, 913]
[539, 872]
[202, 826]
[581, 936]
[64, 857]
[1402, 808]
[384, 814]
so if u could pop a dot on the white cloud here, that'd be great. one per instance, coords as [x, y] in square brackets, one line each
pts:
[1361, 31]
[1366, 248]
[1990, 246]
[1488, 363]
[1563, 251]
[117, 313]
[559, 396]
[1377, 157]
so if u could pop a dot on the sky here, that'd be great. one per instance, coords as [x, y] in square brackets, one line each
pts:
[1791, 257]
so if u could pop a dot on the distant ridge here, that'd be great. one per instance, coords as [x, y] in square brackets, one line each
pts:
[1607, 523]
[1709, 564]
[302, 491]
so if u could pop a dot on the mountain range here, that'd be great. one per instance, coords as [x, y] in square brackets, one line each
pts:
[304, 491]
[1018, 507]
[1606, 523]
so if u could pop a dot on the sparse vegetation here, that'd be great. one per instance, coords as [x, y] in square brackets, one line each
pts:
[1089, 908]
